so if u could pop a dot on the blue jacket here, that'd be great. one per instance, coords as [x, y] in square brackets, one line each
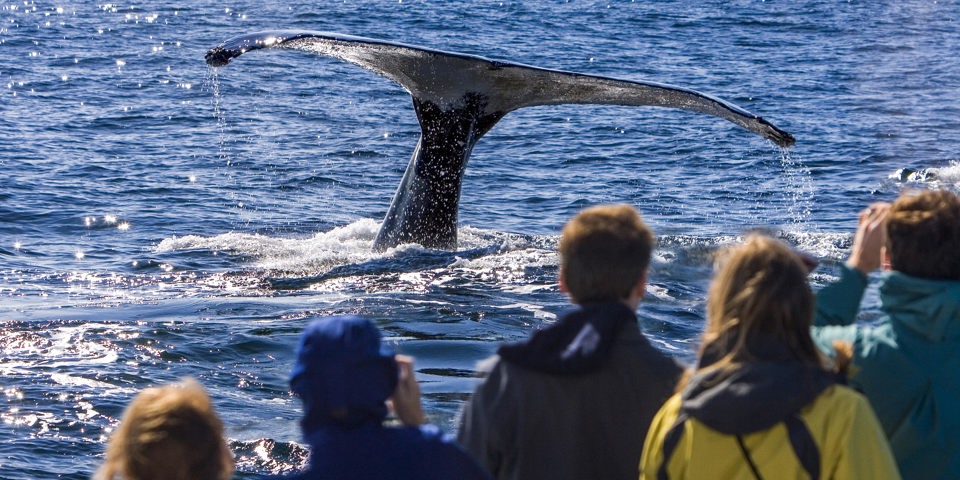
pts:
[906, 363]
[343, 375]
[374, 452]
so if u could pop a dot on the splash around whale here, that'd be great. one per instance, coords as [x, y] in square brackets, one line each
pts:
[458, 98]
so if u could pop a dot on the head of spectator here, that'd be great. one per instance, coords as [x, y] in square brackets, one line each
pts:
[343, 374]
[604, 255]
[168, 433]
[923, 234]
[759, 298]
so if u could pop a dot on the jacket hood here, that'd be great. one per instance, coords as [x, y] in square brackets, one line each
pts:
[342, 373]
[931, 308]
[755, 395]
[580, 342]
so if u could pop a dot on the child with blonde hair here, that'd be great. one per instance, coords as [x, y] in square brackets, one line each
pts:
[168, 433]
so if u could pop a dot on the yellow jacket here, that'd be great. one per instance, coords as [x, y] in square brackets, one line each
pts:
[841, 423]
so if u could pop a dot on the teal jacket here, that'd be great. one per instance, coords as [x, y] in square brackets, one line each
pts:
[907, 363]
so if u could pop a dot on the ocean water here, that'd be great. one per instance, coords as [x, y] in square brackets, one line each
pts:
[162, 219]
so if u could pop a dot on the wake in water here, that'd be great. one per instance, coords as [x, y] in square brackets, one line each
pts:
[503, 260]
[296, 263]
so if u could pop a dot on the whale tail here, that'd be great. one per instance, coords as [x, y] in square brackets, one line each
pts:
[458, 98]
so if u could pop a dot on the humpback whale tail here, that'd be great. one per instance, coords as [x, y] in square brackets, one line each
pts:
[458, 98]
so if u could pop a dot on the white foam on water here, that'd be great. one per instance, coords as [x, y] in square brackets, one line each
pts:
[538, 310]
[661, 293]
[75, 381]
[352, 244]
[949, 175]
[341, 246]
[936, 177]
[822, 245]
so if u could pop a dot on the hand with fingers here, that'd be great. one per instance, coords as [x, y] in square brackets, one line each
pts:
[866, 254]
[406, 398]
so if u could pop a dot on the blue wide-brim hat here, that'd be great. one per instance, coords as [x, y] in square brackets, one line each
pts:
[343, 373]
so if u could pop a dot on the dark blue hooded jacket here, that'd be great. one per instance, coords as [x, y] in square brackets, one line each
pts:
[343, 375]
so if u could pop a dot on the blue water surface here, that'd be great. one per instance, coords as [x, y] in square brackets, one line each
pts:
[162, 219]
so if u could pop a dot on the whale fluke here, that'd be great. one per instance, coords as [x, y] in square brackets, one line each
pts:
[458, 98]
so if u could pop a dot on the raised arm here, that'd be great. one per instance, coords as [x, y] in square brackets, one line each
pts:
[839, 302]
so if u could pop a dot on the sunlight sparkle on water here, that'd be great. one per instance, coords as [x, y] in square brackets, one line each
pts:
[79, 254]
[13, 393]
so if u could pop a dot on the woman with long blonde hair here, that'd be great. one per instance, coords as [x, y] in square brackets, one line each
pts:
[763, 402]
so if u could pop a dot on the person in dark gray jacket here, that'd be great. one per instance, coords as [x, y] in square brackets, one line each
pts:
[575, 400]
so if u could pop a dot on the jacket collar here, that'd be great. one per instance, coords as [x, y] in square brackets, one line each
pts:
[930, 308]
[580, 341]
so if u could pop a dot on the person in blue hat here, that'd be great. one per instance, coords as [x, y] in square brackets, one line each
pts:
[346, 378]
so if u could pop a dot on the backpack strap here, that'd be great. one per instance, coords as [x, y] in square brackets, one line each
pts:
[803, 445]
[670, 442]
[748, 458]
